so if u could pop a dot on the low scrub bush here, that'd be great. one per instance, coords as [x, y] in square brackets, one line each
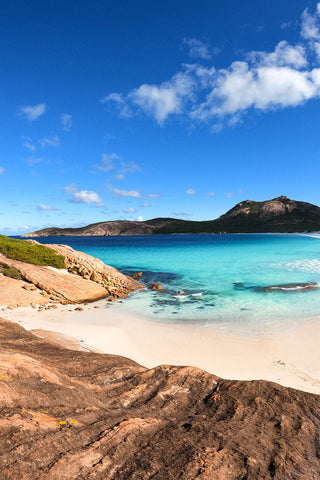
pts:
[27, 252]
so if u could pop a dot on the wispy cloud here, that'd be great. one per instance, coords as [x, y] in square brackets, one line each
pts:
[120, 176]
[119, 103]
[229, 194]
[32, 112]
[66, 122]
[124, 193]
[144, 204]
[182, 215]
[111, 161]
[154, 195]
[197, 48]
[72, 188]
[32, 161]
[41, 206]
[287, 76]
[107, 162]
[29, 144]
[129, 167]
[191, 191]
[211, 194]
[1, 170]
[130, 210]
[53, 141]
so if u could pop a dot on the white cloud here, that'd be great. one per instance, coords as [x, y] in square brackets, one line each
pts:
[229, 194]
[41, 206]
[211, 194]
[130, 210]
[190, 191]
[66, 122]
[107, 162]
[309, 25]
[197, 48]
[166, 99]
[241, 87]
[53, 141]
[154, 195]
[88, 197]
[1, 170]
[286, 76]
[144, 204]
[82, 196]
[72, 188]
[140, 218]
[283, 55]
[125, 193]
[32, 112]
[310, 29]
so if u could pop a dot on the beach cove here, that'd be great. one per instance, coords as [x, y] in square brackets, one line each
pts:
[290, 358]
[215, 311]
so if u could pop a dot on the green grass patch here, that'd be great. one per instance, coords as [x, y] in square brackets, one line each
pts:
[11, 272]
[29, 253]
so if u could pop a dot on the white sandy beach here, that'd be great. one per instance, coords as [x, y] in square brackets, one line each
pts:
[291, 359]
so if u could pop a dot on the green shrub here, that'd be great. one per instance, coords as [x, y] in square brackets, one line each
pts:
[29, 253]
[11, 272]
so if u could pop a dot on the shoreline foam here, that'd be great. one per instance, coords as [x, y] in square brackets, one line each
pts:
[290, 358]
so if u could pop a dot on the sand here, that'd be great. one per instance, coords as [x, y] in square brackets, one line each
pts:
[289, 358]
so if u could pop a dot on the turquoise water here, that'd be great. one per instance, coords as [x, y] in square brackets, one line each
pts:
[216, 280]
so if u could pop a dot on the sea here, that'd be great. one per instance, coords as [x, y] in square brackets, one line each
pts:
[242, 283]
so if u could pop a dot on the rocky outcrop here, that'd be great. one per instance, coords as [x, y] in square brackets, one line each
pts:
[58, 286]
[85, 279]
[280, 214]
[91, 268]
[75, 415]
[17, 293]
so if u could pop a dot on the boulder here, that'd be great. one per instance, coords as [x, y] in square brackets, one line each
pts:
[155, 286]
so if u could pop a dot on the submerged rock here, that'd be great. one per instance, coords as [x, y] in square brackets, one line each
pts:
[136, 275]
[155, 286]
[290, 287]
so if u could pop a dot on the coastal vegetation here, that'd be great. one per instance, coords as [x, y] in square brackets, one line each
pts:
[11, 272]
[27, 252]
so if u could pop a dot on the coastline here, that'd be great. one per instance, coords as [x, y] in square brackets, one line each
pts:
[288, 358]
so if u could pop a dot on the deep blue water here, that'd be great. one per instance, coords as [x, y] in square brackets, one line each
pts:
[220, 277]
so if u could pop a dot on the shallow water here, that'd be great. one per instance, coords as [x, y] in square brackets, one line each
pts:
[216, 280]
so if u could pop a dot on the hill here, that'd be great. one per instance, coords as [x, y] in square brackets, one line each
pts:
[279, 215]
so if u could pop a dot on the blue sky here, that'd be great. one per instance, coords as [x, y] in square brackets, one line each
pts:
[134, 110]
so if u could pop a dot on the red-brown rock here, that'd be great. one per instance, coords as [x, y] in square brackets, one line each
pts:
[75, 415]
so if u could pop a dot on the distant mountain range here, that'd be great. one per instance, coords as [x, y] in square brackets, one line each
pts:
[280, 214]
